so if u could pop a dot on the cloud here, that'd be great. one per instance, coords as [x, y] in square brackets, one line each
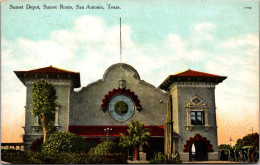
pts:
[241, 41]
[205, 26]
[237, 98]
[203, 31]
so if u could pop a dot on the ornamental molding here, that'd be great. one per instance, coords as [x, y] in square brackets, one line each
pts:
[197, 137]
[190, 127]
[53, 82]
[197, 103]
[118, 91]
[193, 85]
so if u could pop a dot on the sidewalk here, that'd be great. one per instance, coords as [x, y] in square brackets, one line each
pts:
[137, 162]
[213, 162]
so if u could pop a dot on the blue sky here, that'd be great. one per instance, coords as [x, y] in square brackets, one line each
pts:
[159, 38]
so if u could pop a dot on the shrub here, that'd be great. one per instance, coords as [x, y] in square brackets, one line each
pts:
[104, 148]
[13, 156]
[176, 158]
[33, 157]
[114, 158]
[63, 142]
[69, 158]
[21, 157]
[37, 145]
[107, 152]
[160, 158]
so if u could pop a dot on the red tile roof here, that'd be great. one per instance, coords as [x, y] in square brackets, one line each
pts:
[193, 73]
[191, 76]
[50, 69]
[50, 72]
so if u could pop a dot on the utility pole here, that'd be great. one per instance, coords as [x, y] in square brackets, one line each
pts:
[252, 130]
[230, 140]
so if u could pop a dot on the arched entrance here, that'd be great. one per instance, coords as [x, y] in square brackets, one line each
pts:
[198, 151]
[198, 148]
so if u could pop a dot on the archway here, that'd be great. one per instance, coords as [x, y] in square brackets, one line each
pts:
[198, 148]
[198, 151]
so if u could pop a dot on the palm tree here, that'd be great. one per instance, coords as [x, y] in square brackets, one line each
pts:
[136, 135]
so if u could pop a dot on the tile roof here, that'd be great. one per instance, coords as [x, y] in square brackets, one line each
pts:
[193, 73]
[191, 76]
[50, 72]
[50, 69]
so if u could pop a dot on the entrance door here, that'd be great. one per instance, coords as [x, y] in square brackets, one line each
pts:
[198, 151]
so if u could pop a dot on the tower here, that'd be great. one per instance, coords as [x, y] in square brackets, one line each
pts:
[193, 125]
[64, 82]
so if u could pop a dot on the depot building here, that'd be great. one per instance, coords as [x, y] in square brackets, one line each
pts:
[180, 114]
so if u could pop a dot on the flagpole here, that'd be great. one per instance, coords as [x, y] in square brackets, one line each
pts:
[120, 43]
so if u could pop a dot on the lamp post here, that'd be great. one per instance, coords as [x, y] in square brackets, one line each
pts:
[107, 130]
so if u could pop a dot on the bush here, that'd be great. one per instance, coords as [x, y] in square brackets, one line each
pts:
[105, 148]
[63, 142]
[69, 158]
[32, 157]
[84, 158]
[114, 158]
[21, 157]
[37, 145]
[13, 156]
[107, 152]
[160, 158]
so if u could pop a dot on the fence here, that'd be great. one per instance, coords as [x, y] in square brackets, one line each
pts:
[14, 146]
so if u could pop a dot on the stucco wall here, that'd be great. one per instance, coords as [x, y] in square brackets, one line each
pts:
[207, 95]
[86, 104]
[63, 89]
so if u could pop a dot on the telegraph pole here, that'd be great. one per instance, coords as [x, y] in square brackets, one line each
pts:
[230, 140]
[252, 130]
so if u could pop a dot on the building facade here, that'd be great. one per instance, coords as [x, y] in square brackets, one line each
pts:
[191, 126]
[180, 114]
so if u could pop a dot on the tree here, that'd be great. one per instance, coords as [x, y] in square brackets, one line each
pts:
[224, 147]
[251, 140]
[44, 102]
[136, 135]
[240, 143]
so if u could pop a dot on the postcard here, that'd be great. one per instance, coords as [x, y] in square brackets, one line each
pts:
[95, 81]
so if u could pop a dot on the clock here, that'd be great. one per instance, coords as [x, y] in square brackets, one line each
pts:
[121, 107]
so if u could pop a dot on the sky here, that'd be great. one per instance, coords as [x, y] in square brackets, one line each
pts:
[159, 38]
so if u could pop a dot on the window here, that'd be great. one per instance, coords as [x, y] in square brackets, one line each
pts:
[39, 122]
[54, 117]
[197, 113]
[197, 117]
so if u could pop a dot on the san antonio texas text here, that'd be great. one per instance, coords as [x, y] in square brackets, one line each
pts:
[62, 6]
